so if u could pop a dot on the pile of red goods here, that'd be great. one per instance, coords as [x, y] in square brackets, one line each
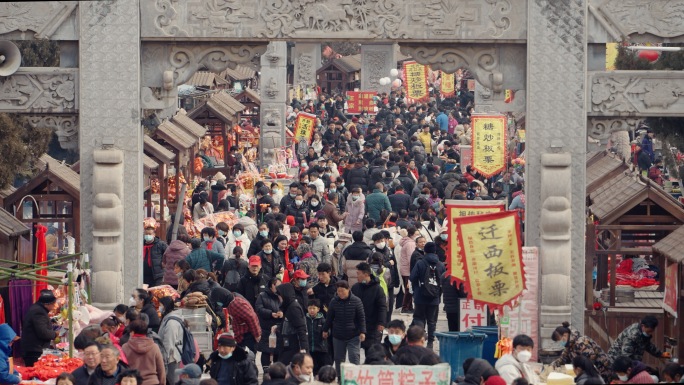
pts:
[50, 366]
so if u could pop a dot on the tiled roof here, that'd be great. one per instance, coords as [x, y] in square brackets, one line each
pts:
[603, 166]
[253, 95]
[206, 79]
[224, 106]
[175, 136]
[672, 246]
[614, 193]
[180, 119]
[157, 150]
[349, 64]
[241, 72]
[149, 163]
[10, 226]
[70, 178]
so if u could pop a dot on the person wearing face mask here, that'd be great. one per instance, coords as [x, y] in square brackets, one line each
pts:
[153, 254]
[276, 193]
[237, 237]
[514, 365]
[299, 209]
[415, 347]
[395, 338]
[331, 210]
[271, 261]
[346, 319]
[442, 242]
[231, 364]
[631, 371]
[575, 345]
[289, 198]
[637, 339]
[142, 300]
[356, 209]
[204, 259]
[176, 251]
[374, 301]
[302, 283]
[301, 369]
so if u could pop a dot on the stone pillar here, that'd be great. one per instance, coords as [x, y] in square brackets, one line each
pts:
[556, 143]
[376, 62]
[273, 100]
[307, 60]
[109, 60]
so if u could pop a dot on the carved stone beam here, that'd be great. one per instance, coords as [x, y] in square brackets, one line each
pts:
[482, 61]
[40, 90]
[603, 128]
[65, 126]
[635, 93]
[42, 17]
[652, 21]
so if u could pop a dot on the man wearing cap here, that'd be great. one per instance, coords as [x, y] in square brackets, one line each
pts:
[36, 332]
[254, 283]
[231, 364]
[301, 283]
[153, 254]
[189, 375]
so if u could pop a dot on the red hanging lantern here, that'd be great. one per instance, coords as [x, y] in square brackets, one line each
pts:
[597, 306]
[649, 55]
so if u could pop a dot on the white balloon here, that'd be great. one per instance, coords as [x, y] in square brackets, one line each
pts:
[394, 72]
[381, 81]
[396, 83]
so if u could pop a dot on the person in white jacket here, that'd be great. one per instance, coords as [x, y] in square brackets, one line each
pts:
[237, 237]
[513, 366]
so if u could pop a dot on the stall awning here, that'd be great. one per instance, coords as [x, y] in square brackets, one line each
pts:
[251, 95]
[206, 79]
[241, 72]
[10, 226]
[672, 246]
[222, 105]
[149, 164]
[68, 178]
[175, 136]
[157, 150]
[602, 167]
[180, 119]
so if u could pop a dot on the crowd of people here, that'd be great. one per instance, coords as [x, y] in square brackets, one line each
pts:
[311, 275]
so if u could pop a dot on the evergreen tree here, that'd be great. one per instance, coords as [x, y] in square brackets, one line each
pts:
[20, 148]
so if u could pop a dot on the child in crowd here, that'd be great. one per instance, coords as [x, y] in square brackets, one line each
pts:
[318, 346]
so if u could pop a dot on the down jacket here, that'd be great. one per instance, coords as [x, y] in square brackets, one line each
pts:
[356, 209]
[374, 302]
[176, 251]
[346, 318]
[408, 246]
[267, 304]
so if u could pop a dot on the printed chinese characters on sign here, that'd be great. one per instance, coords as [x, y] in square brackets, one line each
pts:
[361, 101]
[447, 88]
[489, 144]
[415, 79]
[457, 209]
[304, 127]
[395, 375]
[472, 314]
[491, 257]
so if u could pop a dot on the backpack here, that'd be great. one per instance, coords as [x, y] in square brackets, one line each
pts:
[160, 343]
[429, 283]
[188, 351]
[232, 277]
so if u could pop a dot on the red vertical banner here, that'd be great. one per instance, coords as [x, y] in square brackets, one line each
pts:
[415, 80]
[41, 257]
[671, 289]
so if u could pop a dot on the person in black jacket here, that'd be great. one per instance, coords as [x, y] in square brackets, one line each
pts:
[318, 346]
[142, 300]
[254, 283]
[268, 310]
[293, 331]
[231, 364]
[395, 339]
[372, 296]
[357, 176]
[153, 253]
[37, 332]
[289, 198]
[415, 349]
[325, 289]
[271, 261]
[299, 210]
[346, 320]
[110, 367]
[452, 292]
[400, 200]
[91, 359]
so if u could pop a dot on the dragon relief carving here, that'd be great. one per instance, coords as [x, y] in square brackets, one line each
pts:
[305, 69]
[633, 93]
[54, 92]
[661, 18]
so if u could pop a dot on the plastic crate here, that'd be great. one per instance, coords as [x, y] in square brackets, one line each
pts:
[456, 347]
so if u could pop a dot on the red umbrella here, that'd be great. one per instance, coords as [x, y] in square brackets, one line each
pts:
[41, 256]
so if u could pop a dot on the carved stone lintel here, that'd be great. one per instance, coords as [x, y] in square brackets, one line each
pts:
[184, 60]
[660, 18]
[482, 61]
[636, 93]
[41, 17]
[361, 20]
[603, 128]
[40, 90]
[65, 126]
